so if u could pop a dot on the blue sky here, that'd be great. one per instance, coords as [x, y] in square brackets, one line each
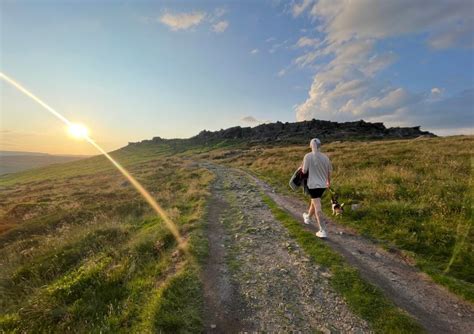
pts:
[133, 70]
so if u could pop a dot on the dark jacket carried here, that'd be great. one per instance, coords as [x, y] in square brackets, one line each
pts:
[299, 179]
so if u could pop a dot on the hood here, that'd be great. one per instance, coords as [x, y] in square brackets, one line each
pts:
[314, 143]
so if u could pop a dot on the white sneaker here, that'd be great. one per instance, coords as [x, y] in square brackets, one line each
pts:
[306, 218]
[322, 234]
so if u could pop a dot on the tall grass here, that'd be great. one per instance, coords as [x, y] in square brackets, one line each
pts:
[81, 251]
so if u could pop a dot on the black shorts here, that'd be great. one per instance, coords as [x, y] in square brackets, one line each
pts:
[316, 192]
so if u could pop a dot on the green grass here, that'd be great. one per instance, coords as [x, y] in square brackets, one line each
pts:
[414, 195]
[127, 156]
[364, 299]
[179, 307]
[81, 251]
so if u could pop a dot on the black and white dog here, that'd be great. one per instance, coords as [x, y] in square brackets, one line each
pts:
[337, 209]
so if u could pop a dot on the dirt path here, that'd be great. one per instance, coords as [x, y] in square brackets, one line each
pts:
[257, 278]
[438, 310]
[224, 309]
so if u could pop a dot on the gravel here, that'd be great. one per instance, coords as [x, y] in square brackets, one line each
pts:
[281, 288]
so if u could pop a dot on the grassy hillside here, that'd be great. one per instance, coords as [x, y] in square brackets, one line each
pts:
[416, 195]
[17, 163]
[126, 156]
[82, 251]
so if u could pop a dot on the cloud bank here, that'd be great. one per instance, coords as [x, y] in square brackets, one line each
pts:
[348, 87]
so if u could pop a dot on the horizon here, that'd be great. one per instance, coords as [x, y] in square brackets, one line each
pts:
[185, 138]
[131, 71]
[17, 153]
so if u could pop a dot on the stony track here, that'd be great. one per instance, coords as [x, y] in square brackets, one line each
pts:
[257, 278]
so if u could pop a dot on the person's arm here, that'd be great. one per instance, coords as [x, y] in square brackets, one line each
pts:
[305, 165]
[328, 181]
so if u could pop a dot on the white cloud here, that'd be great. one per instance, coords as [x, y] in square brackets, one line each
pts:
[452, 131]
[307, 42]
[219, 12]
[459, 36]
[182, 21]
[186, 21]
[385, 103]
[348, 87]
[377, 62]
[300, 7]
[277, 46]
[345, 19]
[345, 88]
[448, 114]
[254, 51]
[306, 59]
[220, 26]
[282, 72]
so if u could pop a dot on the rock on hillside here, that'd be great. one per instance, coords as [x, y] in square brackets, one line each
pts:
[300, 132]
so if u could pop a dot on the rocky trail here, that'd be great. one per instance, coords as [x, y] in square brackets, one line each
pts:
[258, 279]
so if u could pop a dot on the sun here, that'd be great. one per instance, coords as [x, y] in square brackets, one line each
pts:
[78, 131]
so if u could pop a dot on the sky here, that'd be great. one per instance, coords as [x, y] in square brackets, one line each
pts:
[132, 70]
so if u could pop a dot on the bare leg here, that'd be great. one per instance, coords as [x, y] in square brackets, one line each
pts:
[316, 206]
[311, 209]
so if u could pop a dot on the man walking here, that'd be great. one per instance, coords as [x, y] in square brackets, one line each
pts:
[319, 169]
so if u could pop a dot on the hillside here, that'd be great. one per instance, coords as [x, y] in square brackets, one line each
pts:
[12, 162]
[81, 250]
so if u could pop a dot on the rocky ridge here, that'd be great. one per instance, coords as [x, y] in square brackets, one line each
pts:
[299, 132]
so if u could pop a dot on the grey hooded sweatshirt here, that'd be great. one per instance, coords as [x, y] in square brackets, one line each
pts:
[318, 165]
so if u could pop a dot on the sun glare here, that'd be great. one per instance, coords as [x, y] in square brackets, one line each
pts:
[81, 132]
[78, 131]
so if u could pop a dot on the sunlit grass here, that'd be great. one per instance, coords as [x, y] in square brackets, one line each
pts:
[82, 251]
[94, 256]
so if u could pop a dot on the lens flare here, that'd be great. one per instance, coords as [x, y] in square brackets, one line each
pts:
[78, 131]
[81, 131]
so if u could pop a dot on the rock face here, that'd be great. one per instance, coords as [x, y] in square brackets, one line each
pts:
[301, 132]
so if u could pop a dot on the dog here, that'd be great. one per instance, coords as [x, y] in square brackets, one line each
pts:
[337, 209]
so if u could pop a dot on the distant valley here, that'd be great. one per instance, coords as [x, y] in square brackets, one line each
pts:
[17, 161]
